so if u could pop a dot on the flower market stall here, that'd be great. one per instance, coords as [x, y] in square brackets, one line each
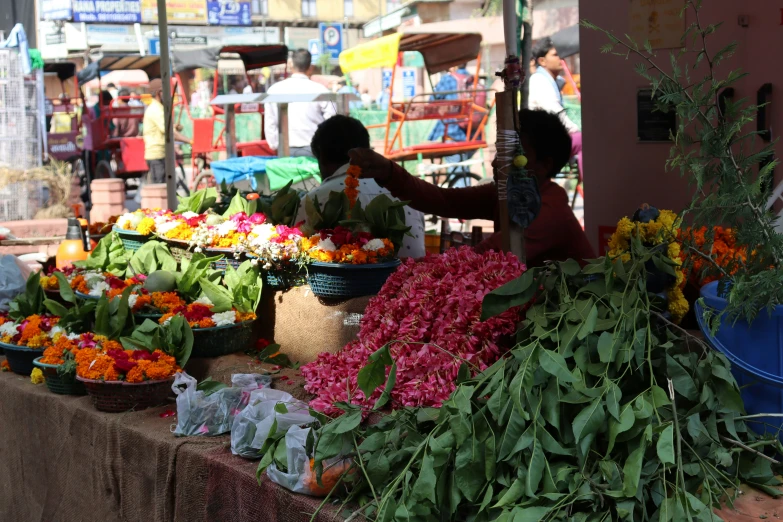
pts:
[220, 362]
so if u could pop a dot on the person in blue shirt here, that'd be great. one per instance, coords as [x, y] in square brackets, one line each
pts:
[449, 82]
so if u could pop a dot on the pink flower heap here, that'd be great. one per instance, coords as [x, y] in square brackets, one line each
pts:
[429, 307]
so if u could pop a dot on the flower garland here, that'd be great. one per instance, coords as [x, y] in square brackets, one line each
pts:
[723, 250]
[429, 312]
[663, 229]
[200, 315]
[343, 246]
[352, 183]
[144, 221]
[213, 231]
[35, 331]
[275, 247]
[113, 364]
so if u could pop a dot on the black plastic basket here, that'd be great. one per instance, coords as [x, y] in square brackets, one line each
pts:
[60, 384]
[222, 340]
[343, 281]
[20, 358]
[228, 258]
[131, 240]
[283, 279]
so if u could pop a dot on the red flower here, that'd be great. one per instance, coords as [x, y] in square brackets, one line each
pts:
[118, 355]
[261, 344]
[124, 365]
[194, 221]
[115, 282]
[143, 355]
[196, 312]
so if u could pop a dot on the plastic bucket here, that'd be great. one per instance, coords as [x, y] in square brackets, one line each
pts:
[756, 354]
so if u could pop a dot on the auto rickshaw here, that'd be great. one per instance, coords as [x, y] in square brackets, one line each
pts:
[63, 119]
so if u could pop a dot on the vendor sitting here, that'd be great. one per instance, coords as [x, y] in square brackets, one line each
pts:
[555, 235]
[330, 145]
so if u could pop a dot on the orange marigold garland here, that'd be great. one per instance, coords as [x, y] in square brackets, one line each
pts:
[133, 366]
[352, 184]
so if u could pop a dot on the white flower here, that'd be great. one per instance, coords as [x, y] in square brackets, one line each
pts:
[198, 250]
[167, 321]
[8, 328]
[188, 215]
[224, 228]
[205, 301]
[166, 226]
[132, 300]
[55, 330]
[327, 245]
[373, 245]
[263, 233]
[254, 261]
[73, 336]
[225, 318]
[132, 219]
[99, 288]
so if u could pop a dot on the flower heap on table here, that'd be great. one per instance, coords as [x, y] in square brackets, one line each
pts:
[66, 347]
[340, 245]
[144, 221]
[655, 228]
[110, 363]
[49, 282]
[199, 314]
[35, 331]
[94, 283]
[276, 247]
[209, 231]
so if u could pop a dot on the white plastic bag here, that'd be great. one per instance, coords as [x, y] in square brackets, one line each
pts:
[254, 424]
[202, 414]
[13, 277]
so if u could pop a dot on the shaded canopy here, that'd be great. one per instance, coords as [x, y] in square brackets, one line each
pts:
[252, 56]
[566, 41]
[150, 64]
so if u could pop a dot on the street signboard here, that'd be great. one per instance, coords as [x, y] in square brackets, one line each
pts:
[229, 12]
[314, 46]
[331, 39]
[409, 82]
[107, 11]
[56, 10]
[154, 46]
[386, 77]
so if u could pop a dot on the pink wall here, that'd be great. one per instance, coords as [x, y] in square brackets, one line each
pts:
[621, 173]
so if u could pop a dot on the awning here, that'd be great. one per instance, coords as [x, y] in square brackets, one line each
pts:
[441, 50]
[252, 56]
[566, 41]
[120, 62]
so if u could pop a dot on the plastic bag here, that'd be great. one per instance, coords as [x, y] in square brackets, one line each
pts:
[210, 415]
[267, 409]
[299, 475]
[13, 277]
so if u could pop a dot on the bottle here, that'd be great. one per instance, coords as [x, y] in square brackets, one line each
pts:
[72, 249]
[86, 234]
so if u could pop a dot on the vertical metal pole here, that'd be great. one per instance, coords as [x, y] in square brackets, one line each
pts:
[283, 147]
[231, 132]
[165, 74]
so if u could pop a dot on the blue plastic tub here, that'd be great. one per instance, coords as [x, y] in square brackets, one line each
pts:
[238, 169]
[756, 354]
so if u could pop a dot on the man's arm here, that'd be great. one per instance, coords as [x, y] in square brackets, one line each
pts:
[270, 125]
[463, 203]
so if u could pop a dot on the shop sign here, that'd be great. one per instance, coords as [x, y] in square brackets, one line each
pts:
[56, 38]
[107, 11]
[229, 12]
[177, 11]
[56, 10]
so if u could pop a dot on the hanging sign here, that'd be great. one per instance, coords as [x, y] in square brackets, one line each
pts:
[331, 39]
[409, 82]
[107, 11]
[177, 11]
[229, 12]
[56, 10]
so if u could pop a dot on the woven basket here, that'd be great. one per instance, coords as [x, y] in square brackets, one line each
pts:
[60, 384]
[222, 340]
[20, 358]
[338, 281]
[283, 280]
[227, 259]
[131, 240]
[86, 297]
[179, 249]
[118, 396]
[140, 318]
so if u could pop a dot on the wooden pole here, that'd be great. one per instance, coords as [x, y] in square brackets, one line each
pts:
[165, 74]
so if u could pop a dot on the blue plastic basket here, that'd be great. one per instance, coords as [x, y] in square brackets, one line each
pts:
[238, 169]
[755, 351]
[131, 240]
[20, 358]
[283, 280]
[342, 281]
[60, 384]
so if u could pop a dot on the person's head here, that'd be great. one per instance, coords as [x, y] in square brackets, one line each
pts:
[123, 96]
[106, 98]
[111, 87]
[546, 142]
[156, 89]
[334, 138]
[301, 60]
[545, 55]
[238, 83]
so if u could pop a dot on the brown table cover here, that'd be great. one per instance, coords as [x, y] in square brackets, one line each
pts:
[62, 461]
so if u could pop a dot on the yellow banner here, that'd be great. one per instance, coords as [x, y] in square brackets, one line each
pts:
[178, 11]
[381, 52]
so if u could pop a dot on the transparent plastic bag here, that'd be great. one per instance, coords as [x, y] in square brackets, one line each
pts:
[211, 415]
[266, 409]
[13, 278]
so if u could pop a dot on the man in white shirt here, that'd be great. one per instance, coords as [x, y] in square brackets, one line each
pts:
[544, 91]
[331, 143]
[303, 118]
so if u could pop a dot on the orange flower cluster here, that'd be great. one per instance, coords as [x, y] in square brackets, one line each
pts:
[242, 317]
[352, 254]
[724, 251]
[5, 367]
[181, 232]
[49, 283]
[79, 284]
[351, 184]
[230, 240]
[204, 322]
[56, 354]
[167, 301]
[133, 366]
[117, 292]
[32, 335]
[4, 319]
[142, 301]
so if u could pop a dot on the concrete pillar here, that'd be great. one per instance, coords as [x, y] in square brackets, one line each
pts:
[108, 199]
[154, 196]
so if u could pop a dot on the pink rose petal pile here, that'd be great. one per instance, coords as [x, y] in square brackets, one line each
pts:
[431, 306]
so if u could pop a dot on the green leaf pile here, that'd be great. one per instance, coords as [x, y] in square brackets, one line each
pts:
[108, 256]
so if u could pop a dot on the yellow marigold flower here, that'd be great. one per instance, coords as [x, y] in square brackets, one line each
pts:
[669, 220]
[37, 377]
[146, 226]
[625, 227]
[652, 232]
[673, 251]
[49, 283]
[678, 305]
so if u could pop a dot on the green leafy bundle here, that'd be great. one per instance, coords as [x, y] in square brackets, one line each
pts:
[281, 207]
[108, 256]
[30, 302]
[76, 318]
[198, 202]
[195, 270]
[175, 338]
[241, 289]
[602, 411]
[113, 317]
[714, 148]
[151, 256]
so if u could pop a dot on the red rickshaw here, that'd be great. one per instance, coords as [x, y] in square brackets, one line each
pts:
[205, 140]
[63, 118]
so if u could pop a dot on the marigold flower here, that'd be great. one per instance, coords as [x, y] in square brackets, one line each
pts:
[4, 366]
[146, 226]
[37, 376]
